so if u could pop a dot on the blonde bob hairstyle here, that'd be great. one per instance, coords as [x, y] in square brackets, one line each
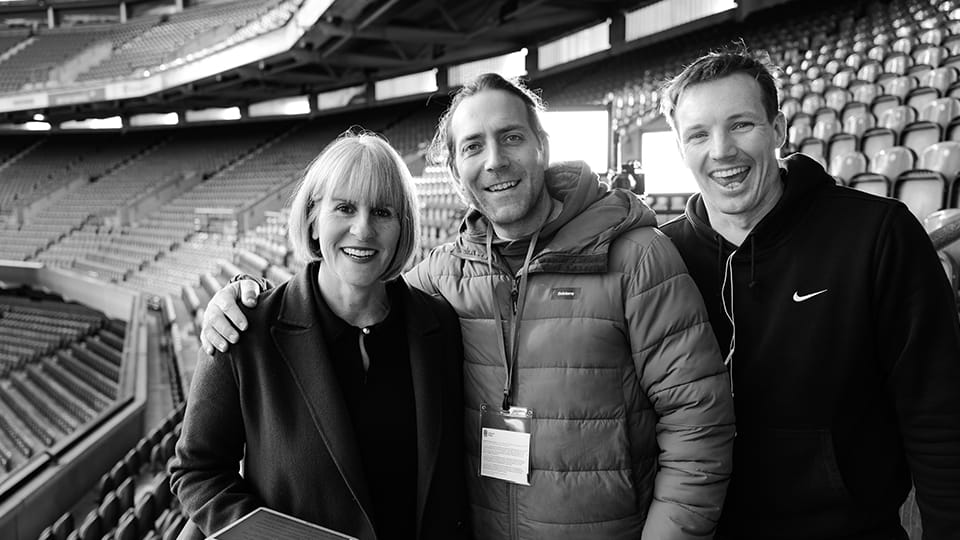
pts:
[369, 171]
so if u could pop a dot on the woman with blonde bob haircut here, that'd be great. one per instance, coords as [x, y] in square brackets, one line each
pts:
[343, 398]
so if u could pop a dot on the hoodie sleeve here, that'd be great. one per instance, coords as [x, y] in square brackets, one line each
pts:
[680, 369]
[919, 344]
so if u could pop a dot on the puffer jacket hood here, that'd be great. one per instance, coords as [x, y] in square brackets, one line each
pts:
[593, 216]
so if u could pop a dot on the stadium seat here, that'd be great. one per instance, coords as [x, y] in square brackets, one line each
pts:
[853, 61]
[865, 92]
[63, 526]
[897, 63]
[790, 107]
[796, 90]
[919, 135]
[892, 162]
[904, 44]
[127, 527]
[952, 44]
[933, 36]
[920, 96]
[952, 132]
[943, 158]
[858, 121]
[883, 103]
[798, 133]
[162, 492]
[837, 97]
[841, 144]
[146, 512]
[922, 191]
[899, 86]
[870, 71]
[843, 77]
[125, 494]
[818, 85]
[846, 166]
[91, 528]
[104, 486]
[119, 473]
[887, 133]
[878, 52]
[812, 103]
[132, 461]
[814, 148]
[173, 530]
[941, 78]
[932, 56]
[876, 184]
[941, 111]
[109, 511]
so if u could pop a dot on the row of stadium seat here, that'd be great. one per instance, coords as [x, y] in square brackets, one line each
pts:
[133, 499]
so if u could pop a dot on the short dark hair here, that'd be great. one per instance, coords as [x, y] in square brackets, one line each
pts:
[717, 65]
[441, 148]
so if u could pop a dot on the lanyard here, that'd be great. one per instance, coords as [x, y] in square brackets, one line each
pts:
[515, 322]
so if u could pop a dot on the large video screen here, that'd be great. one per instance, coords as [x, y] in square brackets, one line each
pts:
[579, 134]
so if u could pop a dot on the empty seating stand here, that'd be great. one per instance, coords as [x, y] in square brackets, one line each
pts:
[60, 368]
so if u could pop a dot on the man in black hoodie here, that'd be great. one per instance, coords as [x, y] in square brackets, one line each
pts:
[837, 323]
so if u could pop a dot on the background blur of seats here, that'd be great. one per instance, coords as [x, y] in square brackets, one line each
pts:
[113, 240]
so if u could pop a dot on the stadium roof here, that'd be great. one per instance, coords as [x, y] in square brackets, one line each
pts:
[358, 41]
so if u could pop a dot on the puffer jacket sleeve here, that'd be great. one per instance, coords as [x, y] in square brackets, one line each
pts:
[420, 275]
[680, 369]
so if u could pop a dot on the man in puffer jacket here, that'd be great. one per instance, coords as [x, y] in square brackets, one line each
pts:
[575, 307]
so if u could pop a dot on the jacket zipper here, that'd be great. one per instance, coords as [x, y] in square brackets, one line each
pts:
[515, 293]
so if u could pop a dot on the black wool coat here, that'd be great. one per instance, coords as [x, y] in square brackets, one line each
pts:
[273, 401]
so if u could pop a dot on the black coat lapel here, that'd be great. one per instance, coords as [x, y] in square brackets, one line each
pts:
[426, 351]
[299, 338]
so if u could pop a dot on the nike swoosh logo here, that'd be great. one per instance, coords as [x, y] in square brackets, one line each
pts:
[797, 298]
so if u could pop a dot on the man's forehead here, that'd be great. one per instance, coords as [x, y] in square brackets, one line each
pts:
[740, 93]
[488, 110]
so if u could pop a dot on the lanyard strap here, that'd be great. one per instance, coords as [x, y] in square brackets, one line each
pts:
[515, 322]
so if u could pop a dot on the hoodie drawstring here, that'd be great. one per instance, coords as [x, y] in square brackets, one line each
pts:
[728, 311]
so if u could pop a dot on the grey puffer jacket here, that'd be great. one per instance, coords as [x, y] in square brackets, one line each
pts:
[633, 428]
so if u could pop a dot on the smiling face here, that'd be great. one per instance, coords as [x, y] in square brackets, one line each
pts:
[730, 145]
[357, 240]
[500, 162]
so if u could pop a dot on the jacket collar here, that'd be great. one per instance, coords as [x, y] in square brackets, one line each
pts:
[298, 335]
[579, 238]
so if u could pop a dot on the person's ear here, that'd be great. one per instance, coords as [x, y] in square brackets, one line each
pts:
[780, 129]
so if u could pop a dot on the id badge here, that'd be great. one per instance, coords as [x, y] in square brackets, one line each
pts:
[505, 443]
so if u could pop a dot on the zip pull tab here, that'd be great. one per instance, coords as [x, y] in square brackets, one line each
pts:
[515, 294]
[506, 400]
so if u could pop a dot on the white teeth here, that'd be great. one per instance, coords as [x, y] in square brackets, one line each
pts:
[359, 253]
[727, 173]
[502, 186]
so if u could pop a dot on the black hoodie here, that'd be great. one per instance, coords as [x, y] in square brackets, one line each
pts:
[846, 369]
